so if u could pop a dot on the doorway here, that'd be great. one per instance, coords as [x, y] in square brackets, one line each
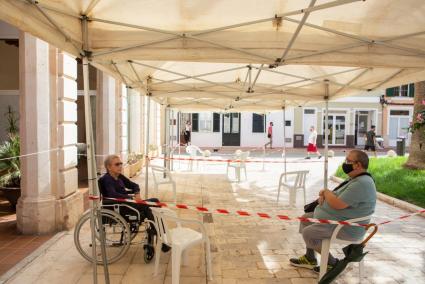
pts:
[361, 127]
[398, 126]
[231, 129]
[336, 128]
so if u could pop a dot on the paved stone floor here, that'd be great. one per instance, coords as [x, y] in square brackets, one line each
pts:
[245, 249]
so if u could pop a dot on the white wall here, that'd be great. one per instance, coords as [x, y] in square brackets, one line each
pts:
[202, 139]
[250, 139]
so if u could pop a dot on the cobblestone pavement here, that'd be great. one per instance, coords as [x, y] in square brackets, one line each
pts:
[245, 249]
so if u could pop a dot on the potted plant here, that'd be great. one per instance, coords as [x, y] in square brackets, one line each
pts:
[10, 173]
[132, 162]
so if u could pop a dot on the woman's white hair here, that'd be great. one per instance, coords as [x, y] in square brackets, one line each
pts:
[109, 159]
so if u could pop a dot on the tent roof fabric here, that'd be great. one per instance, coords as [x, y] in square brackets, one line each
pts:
[239, 54]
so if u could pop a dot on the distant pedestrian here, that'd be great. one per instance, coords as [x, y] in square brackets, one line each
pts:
[187, 131]
[371, 140]
[312, 146]
[270, 136]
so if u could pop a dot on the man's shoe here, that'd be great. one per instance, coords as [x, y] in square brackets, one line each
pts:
[303, 262]
[319, 157]
[165, 248]
[307, 158]
[316, 269]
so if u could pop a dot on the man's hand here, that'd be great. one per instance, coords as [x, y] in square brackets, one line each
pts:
[137, 196]
[321, 200]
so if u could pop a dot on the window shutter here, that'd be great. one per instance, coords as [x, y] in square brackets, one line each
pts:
[411, 90]
[195, 122]
[216, 122]
[389, 92]
[258, 123]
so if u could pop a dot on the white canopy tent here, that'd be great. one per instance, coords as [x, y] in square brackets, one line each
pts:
[234, 55]
[239, 55]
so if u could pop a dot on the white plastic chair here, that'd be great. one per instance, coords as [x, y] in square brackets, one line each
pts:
[179, 239]
[239, 164]
[193, 150]
[293, 185]
[162, 175]
[326, 245]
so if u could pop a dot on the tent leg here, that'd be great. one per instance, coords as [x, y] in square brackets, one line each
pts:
[284, 138]
[166, 138]
[325, 177]
[179, 115]
[93, 186]
[148, 110]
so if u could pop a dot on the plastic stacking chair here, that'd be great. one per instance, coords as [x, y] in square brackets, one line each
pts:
[179, 239]
[162, 175]
[193, 151]
[293, 185]
[239, 164]
[326, 245]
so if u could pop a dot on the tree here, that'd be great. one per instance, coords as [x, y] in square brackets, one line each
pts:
[417, 146]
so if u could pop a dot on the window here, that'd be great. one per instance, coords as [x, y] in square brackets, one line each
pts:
[216, 122]
[195, 122]
[258, 123]
[309, 111]
[401, 91]
[205, 122]
[287, 123]
[399, 112]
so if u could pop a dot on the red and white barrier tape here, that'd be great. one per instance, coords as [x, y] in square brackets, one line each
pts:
[238, 161]
[243, 213]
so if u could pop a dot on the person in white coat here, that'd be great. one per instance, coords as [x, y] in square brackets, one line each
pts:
[312, 146]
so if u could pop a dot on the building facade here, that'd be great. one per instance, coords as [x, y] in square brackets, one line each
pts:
[349, 119]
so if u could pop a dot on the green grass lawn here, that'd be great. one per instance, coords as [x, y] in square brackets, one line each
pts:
[394, 180]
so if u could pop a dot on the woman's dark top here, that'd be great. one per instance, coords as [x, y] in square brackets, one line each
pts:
[116, 188]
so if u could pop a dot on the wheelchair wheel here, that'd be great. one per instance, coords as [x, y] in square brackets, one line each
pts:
[117, 236]
[149, 253]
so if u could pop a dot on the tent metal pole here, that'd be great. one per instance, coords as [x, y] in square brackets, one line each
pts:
[307, 79]
[388, 79]
[317, 77]
[201, 75]
[57, 26]
[148, 110]
[284, 138]
[179, 117]
[91, 164]
[256, 77]
[297, 31]
[93, 186]
[359, 38]
[325, 177]
[352, 81]
[166, 138]
[186, 76]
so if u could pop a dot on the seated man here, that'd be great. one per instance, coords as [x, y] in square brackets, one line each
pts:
[113, 184]
[355, 198]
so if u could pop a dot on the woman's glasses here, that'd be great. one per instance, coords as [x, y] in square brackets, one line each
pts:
[118, 164]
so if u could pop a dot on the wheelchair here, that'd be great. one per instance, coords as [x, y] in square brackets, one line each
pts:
[121, 225]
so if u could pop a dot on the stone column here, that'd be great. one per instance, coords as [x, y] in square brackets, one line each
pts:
[135, 120]
[36, 207]
[70, 203]
[106, 117]
[122, 122]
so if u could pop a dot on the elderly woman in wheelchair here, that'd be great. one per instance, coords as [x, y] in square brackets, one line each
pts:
[121, 221]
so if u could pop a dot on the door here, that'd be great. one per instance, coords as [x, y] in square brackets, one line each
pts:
[336, 126]
[398, 128]
[362, 118]
[309, 120]
[231, 129]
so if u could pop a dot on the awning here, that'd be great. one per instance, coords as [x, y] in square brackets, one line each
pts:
[240, 54]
